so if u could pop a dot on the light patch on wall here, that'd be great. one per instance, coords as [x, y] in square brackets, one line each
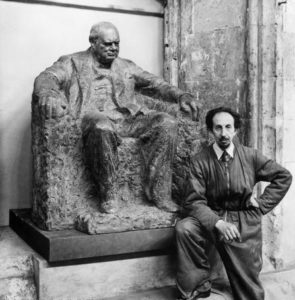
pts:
[287, 246]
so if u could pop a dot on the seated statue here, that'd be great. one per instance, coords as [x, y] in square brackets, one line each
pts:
[100, 88]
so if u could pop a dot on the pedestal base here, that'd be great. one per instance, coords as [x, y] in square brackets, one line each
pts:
[65, 245]
[102, 280]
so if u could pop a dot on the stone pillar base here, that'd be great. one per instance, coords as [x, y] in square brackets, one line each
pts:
[103, 279]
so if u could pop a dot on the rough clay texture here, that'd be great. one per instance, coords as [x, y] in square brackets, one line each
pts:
[64, 193]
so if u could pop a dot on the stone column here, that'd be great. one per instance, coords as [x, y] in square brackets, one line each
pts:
[265, 100]
[286, 84]
[172, 41]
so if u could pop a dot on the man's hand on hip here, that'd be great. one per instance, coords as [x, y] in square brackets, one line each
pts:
[253, 202]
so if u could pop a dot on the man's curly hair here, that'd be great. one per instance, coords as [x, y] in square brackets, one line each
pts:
[211, 113]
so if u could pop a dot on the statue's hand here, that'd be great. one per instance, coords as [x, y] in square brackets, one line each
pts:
[52, 106]
[188, 105]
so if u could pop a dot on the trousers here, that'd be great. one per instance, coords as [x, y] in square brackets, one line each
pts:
[157, 133]
[242, 260]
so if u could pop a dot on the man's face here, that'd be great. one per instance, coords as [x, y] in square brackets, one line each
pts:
[106, 47]
[223, 129]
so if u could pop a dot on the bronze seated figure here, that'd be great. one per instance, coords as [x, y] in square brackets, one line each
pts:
[104, 150]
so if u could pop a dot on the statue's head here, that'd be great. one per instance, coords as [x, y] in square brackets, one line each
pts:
[105, 41]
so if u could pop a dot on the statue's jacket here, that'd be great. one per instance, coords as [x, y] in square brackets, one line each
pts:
[207, 196]
[73, 77]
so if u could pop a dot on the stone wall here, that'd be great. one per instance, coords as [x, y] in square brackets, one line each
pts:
[206, 52]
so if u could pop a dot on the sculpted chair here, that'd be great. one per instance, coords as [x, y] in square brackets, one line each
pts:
[64, 193]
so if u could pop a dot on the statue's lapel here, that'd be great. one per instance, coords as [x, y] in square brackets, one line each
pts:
[83, 74]
[85, 77]
[118, 81]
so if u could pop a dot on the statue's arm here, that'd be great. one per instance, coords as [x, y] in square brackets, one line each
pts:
[157, 87]
[49, 89]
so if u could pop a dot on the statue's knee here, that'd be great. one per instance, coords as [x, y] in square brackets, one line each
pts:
[166, 121]
[95, 121]
[171, 123]
[166, 118]
[103, 126]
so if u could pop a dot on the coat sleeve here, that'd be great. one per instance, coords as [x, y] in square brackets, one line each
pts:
[155, 86]
[196, 203]
[53, 80]
[279, 178]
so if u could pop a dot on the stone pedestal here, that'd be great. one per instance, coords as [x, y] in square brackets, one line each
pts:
[144, 278]
[67, 245]
[101, 280]
[100, 266]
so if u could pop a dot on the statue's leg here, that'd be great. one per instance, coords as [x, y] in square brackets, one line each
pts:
[157, 133]
[100, 146]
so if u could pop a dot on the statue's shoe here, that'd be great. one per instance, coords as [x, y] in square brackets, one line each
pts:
[109, 207]
[196, 295]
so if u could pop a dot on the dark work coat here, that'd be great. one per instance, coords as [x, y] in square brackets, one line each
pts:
[207, 191]
[209, 200]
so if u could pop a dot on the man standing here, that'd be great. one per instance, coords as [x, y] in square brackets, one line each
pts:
[220, 208]
[99, 87]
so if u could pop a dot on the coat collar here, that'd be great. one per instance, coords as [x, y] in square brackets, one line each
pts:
[218, 151]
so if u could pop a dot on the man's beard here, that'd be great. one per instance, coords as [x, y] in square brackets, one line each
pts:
[224, 143]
